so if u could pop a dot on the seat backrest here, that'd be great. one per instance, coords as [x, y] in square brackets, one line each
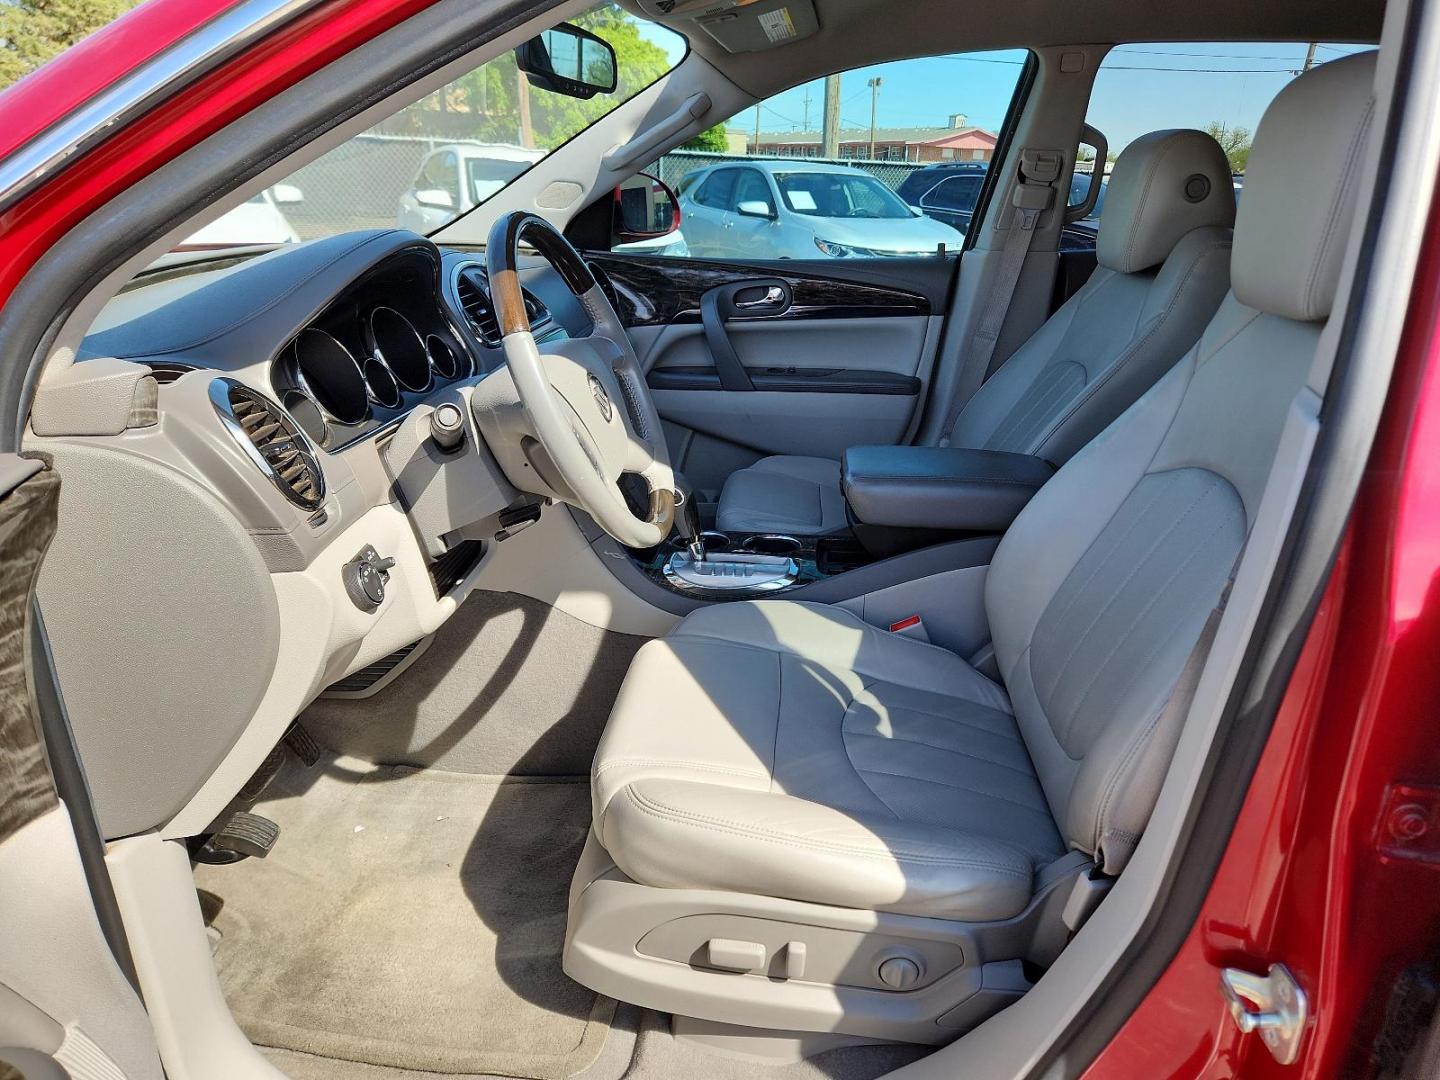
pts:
[1164, 265]
[1101, 588]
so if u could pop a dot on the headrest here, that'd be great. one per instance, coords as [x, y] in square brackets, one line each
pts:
[1300, 190]
[1164, 185]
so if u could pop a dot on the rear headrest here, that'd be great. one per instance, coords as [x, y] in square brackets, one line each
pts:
[1300, 189]
[1164, 185]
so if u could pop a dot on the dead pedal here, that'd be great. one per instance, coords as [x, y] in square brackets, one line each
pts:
[243, 836]
[302, 744]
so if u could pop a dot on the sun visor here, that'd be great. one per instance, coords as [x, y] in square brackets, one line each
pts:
[750, 27]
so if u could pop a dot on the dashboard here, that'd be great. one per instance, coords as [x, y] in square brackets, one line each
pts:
[253, 477]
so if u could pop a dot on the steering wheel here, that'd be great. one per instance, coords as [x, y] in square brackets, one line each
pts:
[585, 401]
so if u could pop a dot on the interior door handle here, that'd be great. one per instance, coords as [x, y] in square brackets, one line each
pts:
[774, 297]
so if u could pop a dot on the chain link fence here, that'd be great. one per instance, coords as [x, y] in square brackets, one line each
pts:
[358, 185]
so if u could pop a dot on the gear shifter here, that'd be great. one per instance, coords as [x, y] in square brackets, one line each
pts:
[687, 525]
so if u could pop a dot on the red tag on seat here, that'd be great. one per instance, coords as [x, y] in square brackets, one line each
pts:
[905, 624]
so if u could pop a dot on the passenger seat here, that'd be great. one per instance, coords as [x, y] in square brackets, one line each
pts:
[1164, 266]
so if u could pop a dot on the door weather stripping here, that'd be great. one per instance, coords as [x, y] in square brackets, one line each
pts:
[95, 120]
[1272, 1004]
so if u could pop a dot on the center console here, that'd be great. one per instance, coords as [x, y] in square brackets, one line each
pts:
[899, 499]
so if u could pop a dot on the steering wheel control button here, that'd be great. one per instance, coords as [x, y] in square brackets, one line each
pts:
[365, 578]
[447, 426]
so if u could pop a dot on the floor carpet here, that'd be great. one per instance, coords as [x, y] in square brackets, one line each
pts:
[411, 920]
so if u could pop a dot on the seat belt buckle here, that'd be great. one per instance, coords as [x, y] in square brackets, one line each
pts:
[912, 626]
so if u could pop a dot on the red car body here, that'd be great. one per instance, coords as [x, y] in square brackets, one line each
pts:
[1334, 864]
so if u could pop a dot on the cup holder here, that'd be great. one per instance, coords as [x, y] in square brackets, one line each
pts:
[772, 544]
[715, 541]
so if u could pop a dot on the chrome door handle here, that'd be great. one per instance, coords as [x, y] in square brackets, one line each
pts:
[774, 296]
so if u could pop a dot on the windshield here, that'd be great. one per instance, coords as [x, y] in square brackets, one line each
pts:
[839, 195]
[458, 146]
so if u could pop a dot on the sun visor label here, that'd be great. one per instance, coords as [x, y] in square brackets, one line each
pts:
[777, 24]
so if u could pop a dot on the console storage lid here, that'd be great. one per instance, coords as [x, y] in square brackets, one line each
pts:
[939, 487]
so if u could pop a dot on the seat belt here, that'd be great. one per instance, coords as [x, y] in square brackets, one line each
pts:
[1031, 197]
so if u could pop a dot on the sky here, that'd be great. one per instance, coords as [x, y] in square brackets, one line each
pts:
[1139, 88]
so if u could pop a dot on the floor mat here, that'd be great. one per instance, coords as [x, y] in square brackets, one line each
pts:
[412, 919]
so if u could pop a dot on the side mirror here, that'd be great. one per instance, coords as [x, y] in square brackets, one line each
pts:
[645, 208]
[755, 208]
[569, 60]
[287, 194]
[435, 199]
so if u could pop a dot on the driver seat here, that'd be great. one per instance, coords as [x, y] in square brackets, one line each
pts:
[803, 821]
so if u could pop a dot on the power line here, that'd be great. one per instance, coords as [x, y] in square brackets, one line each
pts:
[1125, 50]
[1142, 67]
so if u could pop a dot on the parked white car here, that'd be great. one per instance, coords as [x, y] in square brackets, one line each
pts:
[258, 220]
[455, 178]
[781, 209]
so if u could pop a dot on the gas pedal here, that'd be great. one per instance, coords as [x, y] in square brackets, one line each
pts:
[302, 744]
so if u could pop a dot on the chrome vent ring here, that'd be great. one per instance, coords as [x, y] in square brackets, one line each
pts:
[272, 441]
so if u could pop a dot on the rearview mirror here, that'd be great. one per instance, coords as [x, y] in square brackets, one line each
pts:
[568, 60]
[645, 208]
[755, 208]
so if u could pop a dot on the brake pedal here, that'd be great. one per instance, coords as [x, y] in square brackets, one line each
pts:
[243, 836]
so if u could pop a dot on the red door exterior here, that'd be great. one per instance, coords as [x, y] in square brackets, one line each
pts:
[1326, 870]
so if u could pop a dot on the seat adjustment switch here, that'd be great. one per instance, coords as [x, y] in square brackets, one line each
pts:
[731, 955]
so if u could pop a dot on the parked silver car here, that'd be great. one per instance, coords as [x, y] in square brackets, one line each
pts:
[781, 209]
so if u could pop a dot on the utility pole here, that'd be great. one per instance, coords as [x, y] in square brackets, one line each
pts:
[806, 126]
[874, 85]
[755, 147]
[830, 141]
[1309, 57]
[522, 99]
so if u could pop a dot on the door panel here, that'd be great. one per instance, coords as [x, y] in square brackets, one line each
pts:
[747, 360]
[64, 1001]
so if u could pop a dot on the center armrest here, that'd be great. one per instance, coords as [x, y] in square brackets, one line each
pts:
[940, 487]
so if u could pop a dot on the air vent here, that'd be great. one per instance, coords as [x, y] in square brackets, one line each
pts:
[475, 301]
[166, 372]
[607, 286]
[535, 311]
[272, 441]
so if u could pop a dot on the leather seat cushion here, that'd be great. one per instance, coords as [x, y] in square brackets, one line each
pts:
[791, 750]
[786, 494]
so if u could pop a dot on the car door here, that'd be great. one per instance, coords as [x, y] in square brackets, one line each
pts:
[66, 1007]
[705, 213]
[748, 236]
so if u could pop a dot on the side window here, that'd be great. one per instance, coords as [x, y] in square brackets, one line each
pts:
[953, 193]
[442, 174]
[847, 158]
[718, 191]
[1221, 88]
[753, 188]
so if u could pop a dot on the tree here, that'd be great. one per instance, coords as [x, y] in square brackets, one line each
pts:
[710, 141]
[32, 31]
[1234, 141]
[485, 105]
